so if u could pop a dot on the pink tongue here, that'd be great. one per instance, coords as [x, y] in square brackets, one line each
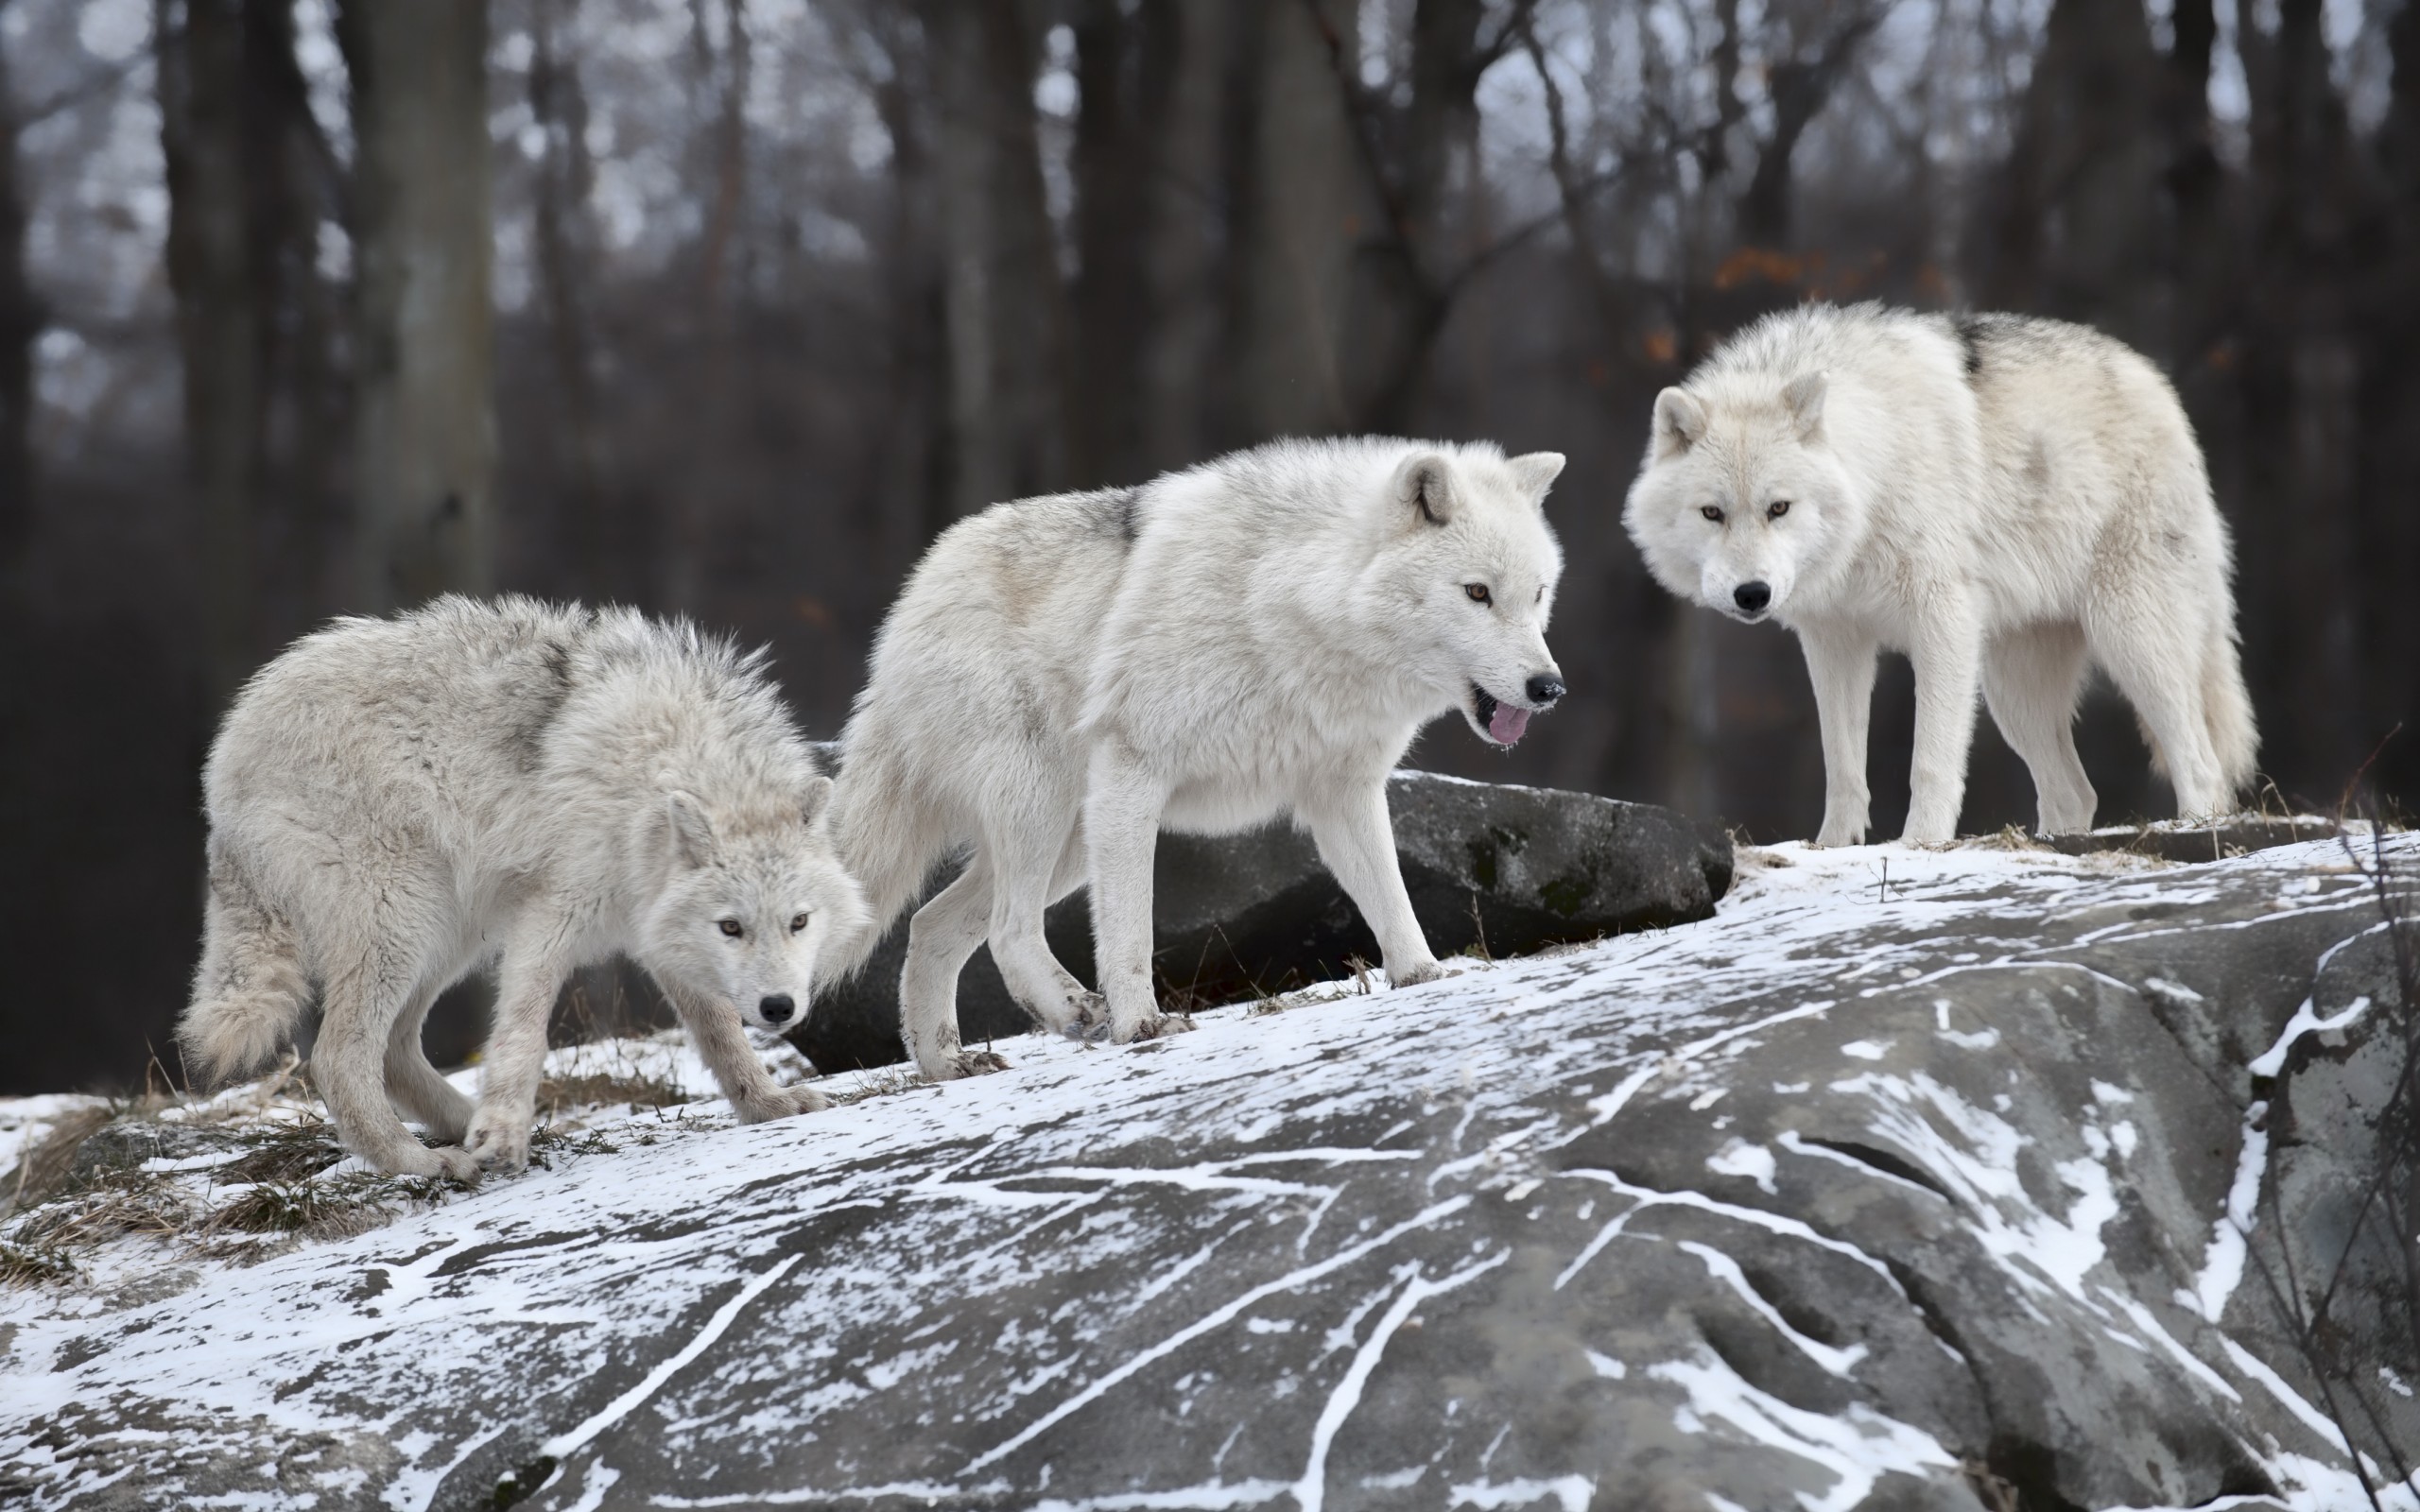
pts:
[1507, 724]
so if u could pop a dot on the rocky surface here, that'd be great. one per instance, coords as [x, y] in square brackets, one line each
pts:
[1498, 870]
[1891, 1186]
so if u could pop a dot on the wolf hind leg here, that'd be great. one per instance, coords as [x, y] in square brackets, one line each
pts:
[1020, 892]
[412, 1083]
[940, 937]
[2030, 680]
[2159, 667]
[365, 998]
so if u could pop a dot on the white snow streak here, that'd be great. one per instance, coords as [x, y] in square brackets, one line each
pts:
[1310, 1492]
[1859, 1447]
[1208, 1323]
[563, 1445]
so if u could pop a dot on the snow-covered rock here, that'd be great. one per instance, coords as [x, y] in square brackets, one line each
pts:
[1910, 1179]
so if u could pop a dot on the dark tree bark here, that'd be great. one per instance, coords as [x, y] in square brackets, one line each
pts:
[1189, 63]
[912, 483]
[1800, 89]
[1005, 303]
[222, 329]
[21, 321]
[424, 450]
[565, 175]
[1117, 127]
[2301, 375]
[1308, 206]
[2076, 232]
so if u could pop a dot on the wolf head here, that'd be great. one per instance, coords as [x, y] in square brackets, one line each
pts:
[1741, 501]
[1472, 550]
[750, 903]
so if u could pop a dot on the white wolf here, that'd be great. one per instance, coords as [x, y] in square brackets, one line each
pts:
[393, 802]
[2001, 498]
[1258, 636]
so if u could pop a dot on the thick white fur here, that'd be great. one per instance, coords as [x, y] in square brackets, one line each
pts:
[1260, 636]
[2001, 498]
[395, 803]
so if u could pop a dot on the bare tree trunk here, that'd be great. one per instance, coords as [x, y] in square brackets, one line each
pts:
[220, 326]
[1190, 62]
[565, 176]
[424, 439]
[1006, 305]
[2301, 371]
[2078, 228]
[1308, 212]
[911, 487]
[1800, 90]
[1117, 124]
[20, 321]
[2391, 414]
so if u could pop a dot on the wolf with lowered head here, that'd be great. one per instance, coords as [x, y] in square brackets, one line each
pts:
[395, 803]
[2006, 499]
[1254, 638]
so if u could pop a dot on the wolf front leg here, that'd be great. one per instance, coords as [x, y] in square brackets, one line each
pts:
[1123, 801]
[1840, 662]
[723, 1044]
[1356, 837]
[535, 964]
[1949, 657]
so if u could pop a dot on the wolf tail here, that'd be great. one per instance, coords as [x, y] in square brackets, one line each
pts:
[251, 987]
[2227, 706]
[888, 839]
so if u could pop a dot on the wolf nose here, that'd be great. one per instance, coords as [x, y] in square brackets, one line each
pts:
[1543, 690]
[1753, 598]
[777, 1008]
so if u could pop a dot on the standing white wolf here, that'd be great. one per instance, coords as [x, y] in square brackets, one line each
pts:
[1260, 636]
[2000, 497]
[395, 803]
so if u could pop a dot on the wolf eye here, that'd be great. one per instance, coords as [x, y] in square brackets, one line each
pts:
[730, 927]
[1712, 513]
[1780, 507]
[1478, 592]
[798, 923]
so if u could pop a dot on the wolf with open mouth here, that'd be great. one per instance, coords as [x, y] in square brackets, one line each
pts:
[1257, 637]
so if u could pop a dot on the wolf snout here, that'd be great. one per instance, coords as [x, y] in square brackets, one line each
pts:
[777, 1008]
[1543, 690]
[1752, 596]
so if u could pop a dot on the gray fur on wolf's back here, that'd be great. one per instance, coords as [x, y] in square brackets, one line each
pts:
[394, 803]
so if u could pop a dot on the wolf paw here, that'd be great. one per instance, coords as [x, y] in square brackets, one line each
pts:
[1091, 1024]
[954, 1064]
[1159, 1026]
[445, 1161]
[497, 1143]
[784, 1102]
[1415, 974]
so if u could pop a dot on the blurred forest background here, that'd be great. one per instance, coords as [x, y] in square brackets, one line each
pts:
[727, 306]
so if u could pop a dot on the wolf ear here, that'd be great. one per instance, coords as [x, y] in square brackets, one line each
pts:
[1803, 398]
[693, 831]
[1680, 423]
[814, 799]
[1426, 482]
[1535, 472]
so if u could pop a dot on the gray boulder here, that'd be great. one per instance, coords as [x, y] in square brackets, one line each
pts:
[1883, 1189]
[1497, 869]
